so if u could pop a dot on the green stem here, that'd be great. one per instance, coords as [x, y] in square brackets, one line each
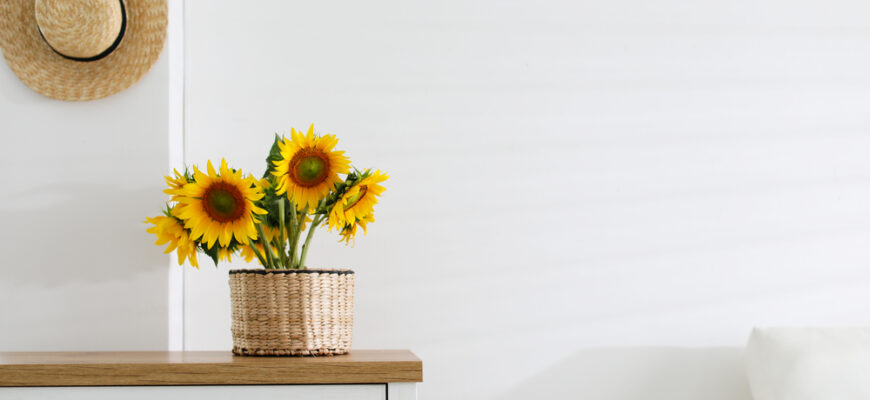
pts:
[280, 259]
[281, 240]
[291, 233]
[257, 252]
[317, 220]
[296, 236]
[269, 254]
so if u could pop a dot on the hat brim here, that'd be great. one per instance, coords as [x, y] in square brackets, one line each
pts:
[52, 75]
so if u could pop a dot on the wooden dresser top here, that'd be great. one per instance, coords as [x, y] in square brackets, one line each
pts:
[204, 368]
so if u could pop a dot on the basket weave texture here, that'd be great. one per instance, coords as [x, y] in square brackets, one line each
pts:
[292, 312]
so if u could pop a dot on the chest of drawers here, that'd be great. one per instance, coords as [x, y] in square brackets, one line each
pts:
[360, 375]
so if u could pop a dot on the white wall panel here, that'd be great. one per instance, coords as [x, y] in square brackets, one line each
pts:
[78, 270]
[572, 182]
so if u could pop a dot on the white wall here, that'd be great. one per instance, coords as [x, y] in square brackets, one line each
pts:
[78, 271]
[577, 186]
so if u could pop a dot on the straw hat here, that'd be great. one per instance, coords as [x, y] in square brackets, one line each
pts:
[81, 49]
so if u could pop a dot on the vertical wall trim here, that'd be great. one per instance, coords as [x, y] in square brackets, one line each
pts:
[175, 50]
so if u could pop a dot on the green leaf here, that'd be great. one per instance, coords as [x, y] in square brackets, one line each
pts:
[212, 252]
[274, 155]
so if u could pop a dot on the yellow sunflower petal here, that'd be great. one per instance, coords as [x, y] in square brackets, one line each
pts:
[219, 206]
[308, 168]
[211, 172]
[357, 203]
[170, 230]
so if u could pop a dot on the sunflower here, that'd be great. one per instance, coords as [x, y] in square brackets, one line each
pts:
[358, 201]
[263, 184]
[348, 233]
[308, 168]
[225, 254]
[176, 189]
[248, 253]
[218, 207]
[176, 184]
[170, 230]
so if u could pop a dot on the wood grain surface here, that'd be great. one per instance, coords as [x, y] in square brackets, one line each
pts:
[204, 368]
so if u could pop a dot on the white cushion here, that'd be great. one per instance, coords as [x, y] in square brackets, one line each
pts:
[809, 363]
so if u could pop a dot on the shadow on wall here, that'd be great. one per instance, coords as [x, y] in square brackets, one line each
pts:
[640, 373]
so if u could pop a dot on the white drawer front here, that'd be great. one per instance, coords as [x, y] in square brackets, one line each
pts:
[243, 392]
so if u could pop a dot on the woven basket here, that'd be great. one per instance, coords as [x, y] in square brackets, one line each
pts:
[291, 312]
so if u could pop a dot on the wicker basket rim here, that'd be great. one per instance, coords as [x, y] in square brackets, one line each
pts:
[292, 271]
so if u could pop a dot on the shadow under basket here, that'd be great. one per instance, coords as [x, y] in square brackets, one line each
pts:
[304, 312]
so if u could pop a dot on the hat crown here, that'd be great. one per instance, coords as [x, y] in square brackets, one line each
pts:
[79, 28]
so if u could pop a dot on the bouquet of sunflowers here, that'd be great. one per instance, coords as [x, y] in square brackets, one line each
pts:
[223, 212]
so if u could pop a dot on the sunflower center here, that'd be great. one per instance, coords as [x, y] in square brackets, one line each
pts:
[309, 167]
[353, 200]
[223, 202]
